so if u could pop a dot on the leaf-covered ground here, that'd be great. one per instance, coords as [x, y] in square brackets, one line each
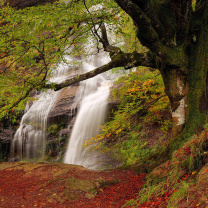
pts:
[60, 185]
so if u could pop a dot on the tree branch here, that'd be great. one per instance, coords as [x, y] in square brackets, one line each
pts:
[156, 23]
[146, 32]
[126, 60]
[145, 108]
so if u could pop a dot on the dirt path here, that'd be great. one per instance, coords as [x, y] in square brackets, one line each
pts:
[60, 185]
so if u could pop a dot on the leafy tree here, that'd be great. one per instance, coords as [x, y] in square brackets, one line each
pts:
[33, 39]
[175, 34]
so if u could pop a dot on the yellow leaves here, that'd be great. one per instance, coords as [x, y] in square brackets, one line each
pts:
[194, 172]
[107, 135]
[118, 131]
[147, 84]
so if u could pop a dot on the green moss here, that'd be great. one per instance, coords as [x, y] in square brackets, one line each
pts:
[179, 173]
[53, 128]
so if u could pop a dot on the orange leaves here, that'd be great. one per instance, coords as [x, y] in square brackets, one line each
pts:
[118, 131]
[157, 202]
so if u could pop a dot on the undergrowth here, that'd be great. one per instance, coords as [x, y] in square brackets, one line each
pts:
[170, 183]
[142, 120]
[139, 127]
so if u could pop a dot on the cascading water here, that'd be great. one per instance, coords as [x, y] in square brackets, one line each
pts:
[30, 138]
[93, 94]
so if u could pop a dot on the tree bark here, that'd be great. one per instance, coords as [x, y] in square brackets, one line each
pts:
[176, 87]
[181, 52]
[119, 59]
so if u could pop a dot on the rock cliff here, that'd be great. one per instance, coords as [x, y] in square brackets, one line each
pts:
[21, 4]
[60, 121]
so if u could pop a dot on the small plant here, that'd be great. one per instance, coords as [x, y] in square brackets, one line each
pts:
[53, 128]
[130, 203]
[179, 194]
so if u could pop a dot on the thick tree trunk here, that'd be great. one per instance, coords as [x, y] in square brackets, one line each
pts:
[176, 87]
[188, 92]
[197, 76]
[180, 43]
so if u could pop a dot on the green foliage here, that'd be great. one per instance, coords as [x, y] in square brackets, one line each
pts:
[34, 38]
[3, 157]
[179, 194]
[130, 203]
[178, 174]
[128, 32]
[127, 132]
[193, 4]
[53, 128]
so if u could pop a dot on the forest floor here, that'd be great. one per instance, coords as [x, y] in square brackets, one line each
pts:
[61, 185]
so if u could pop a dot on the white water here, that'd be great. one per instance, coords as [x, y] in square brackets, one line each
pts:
[30, 138]
[93, 94]
[29, 141]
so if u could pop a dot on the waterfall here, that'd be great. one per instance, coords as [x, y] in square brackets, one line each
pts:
[29, 141]
[91, 116]
[93, 97]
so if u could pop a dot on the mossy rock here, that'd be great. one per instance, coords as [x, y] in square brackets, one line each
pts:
[161, 171]
[82, 185]
[53, 128]
[203, 174]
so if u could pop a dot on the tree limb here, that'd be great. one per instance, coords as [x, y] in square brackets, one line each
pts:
[147, 7]
[147, 35]
[145, 108]
[126, 60]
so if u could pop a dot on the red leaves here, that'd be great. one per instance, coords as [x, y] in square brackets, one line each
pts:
[187, 150]
[35, 187]
[157, 202]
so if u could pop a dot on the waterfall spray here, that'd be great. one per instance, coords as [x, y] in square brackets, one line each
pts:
[29, 141]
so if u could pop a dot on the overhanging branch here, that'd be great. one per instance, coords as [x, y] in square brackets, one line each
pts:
[126, 60]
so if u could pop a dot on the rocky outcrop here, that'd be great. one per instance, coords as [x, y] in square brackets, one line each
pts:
[5, 140]
[21, 4]
[6, 135]
[203, 174]
[64, 107]
[61, 119]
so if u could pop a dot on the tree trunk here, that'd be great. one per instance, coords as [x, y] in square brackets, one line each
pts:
[187, 89]
[176, 87]
[197, 76]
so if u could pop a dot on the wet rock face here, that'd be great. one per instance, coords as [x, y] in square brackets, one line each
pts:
[64, 108]
[56, 144]
[21, 4]
[113, 103]
[6, 136]
[61, 119]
